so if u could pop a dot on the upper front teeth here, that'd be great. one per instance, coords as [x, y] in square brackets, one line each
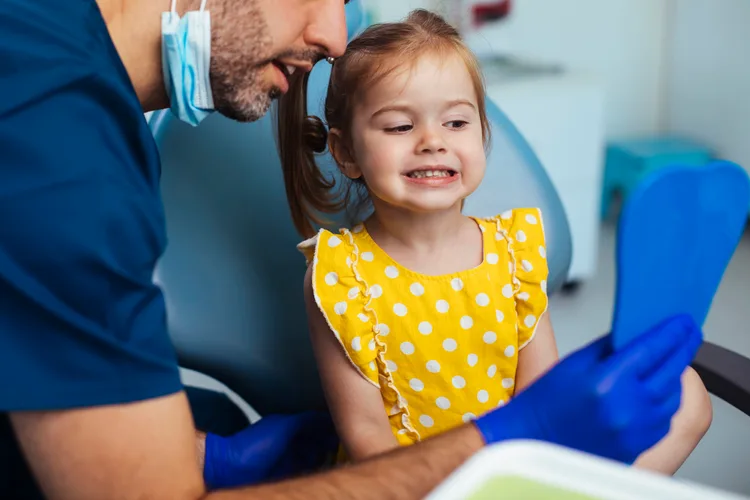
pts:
[430, 173]
[290, 69]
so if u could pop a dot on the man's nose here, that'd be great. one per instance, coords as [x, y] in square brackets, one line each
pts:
[328, 28]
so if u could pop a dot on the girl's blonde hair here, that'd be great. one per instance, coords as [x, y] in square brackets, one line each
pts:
[373, 55]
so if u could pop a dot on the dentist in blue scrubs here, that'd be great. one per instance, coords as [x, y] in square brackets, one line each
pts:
[91, 404]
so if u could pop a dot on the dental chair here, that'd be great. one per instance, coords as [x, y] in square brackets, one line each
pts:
[235, 301]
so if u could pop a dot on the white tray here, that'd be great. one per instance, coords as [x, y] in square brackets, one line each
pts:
[534, 470]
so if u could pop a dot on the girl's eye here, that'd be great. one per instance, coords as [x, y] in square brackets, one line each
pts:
[457, 124]
[400, 128]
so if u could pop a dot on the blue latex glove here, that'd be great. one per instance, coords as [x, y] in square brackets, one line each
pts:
[275, 447]
[615, 405]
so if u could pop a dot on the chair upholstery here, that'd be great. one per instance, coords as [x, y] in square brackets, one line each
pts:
[232, 276]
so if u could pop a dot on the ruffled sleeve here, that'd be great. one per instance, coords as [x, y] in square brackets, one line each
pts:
[341, 295]
[524, 230]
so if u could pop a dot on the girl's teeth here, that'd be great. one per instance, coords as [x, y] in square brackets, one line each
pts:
[290, 69]
[429, 173]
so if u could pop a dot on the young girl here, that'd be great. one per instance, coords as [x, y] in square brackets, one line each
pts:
[421, 318]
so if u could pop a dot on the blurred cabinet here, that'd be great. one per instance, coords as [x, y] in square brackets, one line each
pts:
[561, 115]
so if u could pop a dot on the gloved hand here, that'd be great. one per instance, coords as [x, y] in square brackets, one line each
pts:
[615, 405]
[277, 446]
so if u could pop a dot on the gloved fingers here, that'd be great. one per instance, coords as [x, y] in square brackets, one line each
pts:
[310, 447]
[268, 438]
[599, 348]
[276, 446]
[673, 366]
[591, 354]
[214, 455]
[665, 411]
[666, 381]
[652, 425]
[234, 461]
[643, 439]
[655, 347]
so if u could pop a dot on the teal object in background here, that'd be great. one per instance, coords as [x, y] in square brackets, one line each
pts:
[628, 162]
[676, 236]
[232, 276]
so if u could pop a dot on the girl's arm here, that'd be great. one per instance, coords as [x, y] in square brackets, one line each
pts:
[355, 404]
[538, 356]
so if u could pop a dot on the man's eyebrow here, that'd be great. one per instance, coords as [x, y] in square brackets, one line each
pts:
[403, 107]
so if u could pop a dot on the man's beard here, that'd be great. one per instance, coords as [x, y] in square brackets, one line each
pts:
[240, 50]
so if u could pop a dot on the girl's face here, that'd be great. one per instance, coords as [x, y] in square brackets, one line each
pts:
[417, 137]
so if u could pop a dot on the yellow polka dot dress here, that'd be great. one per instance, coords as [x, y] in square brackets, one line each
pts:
[441, 349]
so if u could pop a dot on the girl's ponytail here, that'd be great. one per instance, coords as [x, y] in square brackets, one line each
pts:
[300, 137]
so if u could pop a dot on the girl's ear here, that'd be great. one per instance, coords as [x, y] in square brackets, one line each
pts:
[342, 155]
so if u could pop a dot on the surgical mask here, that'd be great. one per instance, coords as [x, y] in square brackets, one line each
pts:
[186, 61]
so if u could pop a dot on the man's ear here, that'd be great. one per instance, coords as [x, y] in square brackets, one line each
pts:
[342, 155]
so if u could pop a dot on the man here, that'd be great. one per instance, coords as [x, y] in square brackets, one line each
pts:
[91, 402]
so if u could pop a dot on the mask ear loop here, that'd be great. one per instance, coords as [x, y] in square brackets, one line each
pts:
[173, 11]
[203, 5]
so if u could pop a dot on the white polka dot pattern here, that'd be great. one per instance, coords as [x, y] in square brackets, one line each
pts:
[483, 396]
[433, 366]
[448, 343]
[331, 278]
[400, 310]
[416, 384]
[443, 403]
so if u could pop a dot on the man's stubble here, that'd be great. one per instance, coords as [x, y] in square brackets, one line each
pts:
[240, 50]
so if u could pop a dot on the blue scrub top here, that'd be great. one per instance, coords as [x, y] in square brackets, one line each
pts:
[82, 224]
